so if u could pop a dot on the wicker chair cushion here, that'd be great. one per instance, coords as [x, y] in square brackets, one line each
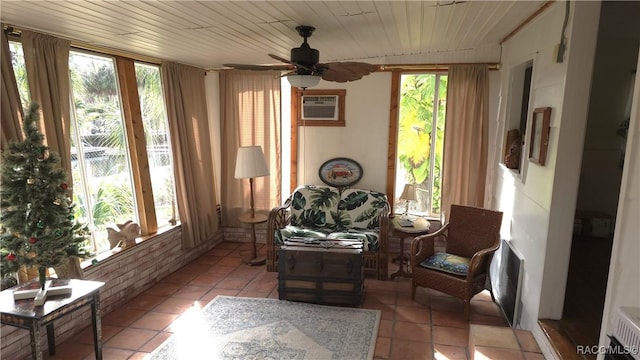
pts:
[312, 205]
[369, 238]
[449, 263]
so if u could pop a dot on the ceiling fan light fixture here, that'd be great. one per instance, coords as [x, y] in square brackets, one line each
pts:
[303, 81]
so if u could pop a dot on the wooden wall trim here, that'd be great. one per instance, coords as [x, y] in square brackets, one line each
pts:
[393, 136]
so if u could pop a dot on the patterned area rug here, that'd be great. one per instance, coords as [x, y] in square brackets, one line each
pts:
[255, 328]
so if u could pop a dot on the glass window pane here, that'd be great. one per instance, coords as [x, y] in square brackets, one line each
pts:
[156, 128]
[20, 71]
[102, 183]
[420, 139]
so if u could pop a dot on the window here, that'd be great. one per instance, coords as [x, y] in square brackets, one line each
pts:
[122, 167]
[419, 143]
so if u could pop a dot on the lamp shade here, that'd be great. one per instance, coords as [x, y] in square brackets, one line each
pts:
[250, 163]
[409, 192]
[303, 81]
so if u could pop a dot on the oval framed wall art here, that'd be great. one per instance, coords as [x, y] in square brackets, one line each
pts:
[340, 172]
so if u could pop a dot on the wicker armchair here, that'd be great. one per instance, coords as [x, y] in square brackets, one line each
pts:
[472, 235]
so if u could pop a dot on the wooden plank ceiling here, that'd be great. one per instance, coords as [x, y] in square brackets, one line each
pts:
[208, 34]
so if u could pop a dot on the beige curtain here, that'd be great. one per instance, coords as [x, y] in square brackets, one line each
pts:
[185, 96]
[250, 115]
[10, 106]
[47, 61]
[466, 136]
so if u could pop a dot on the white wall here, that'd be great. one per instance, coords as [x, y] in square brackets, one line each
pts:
[539, 202]
[364, 138]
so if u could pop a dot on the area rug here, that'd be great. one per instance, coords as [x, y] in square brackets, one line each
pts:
[257, 328]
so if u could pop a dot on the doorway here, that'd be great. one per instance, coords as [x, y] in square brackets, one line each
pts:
[601, 173]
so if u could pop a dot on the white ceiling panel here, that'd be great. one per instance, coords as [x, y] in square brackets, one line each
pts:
[208, 34]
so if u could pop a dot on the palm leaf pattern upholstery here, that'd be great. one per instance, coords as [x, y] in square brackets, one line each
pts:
[320, 211]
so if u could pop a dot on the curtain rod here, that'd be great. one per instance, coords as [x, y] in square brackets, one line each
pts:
[430, 67]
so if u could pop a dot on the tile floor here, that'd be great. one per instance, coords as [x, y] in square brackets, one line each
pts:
[431, 327]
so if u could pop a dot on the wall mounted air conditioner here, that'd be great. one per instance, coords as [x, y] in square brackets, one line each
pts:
[320, 107]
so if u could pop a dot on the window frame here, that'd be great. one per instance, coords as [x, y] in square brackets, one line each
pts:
[394, 120]
[136, 145]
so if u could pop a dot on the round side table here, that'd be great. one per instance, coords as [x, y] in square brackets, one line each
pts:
[258, 218]
[419, 226]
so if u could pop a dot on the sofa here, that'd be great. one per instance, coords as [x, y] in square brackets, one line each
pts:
[326, 212]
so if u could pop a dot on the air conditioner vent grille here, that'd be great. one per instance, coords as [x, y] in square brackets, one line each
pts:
[627, 329]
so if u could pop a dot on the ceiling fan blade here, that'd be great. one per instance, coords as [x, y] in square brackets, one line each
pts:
[259, 67]
[279, 58]
[298, 66]
[346, 71]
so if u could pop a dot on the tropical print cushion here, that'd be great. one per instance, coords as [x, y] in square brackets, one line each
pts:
[297, 231]
[452, 264]
[360, 209]
[369, 238]
[312, 205]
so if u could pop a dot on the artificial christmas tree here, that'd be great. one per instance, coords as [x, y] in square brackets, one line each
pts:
[37, 224]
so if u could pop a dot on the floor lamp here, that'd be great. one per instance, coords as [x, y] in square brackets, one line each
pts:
[250, 164]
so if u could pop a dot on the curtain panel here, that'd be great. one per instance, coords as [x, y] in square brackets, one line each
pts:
[10, 105]
[185, 96]
[46, 59]
[466, 137]
[250, 115]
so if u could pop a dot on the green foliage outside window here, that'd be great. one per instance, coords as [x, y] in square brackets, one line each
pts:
[419, 136]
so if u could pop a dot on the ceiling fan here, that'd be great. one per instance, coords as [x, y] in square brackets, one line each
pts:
[305, 61]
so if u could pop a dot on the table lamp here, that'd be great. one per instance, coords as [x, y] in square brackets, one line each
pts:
[408, 194]
[250, 164]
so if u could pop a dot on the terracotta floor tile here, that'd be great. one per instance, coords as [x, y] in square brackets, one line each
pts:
[220, 251]
[450, 336]
[206, 279]
[230, 261]
[207, 259]
[196, 268]
[156, 341]
[383, 348]
[450, 319]
[223, 270]
[70, 351]
[385, 297]
[138, 355]
[416, 314]
[487, 353]
[410, 350]
[215, 292]
[412, 331]
[145, 302]
[163, 289]
[130, 339]
[154, 321]
[180, 277]
[385, 329]
[112, 353]
[448, 352]
[174, 306]
[108, 331]
[232, 283]
[123, 316]
[191, 292]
